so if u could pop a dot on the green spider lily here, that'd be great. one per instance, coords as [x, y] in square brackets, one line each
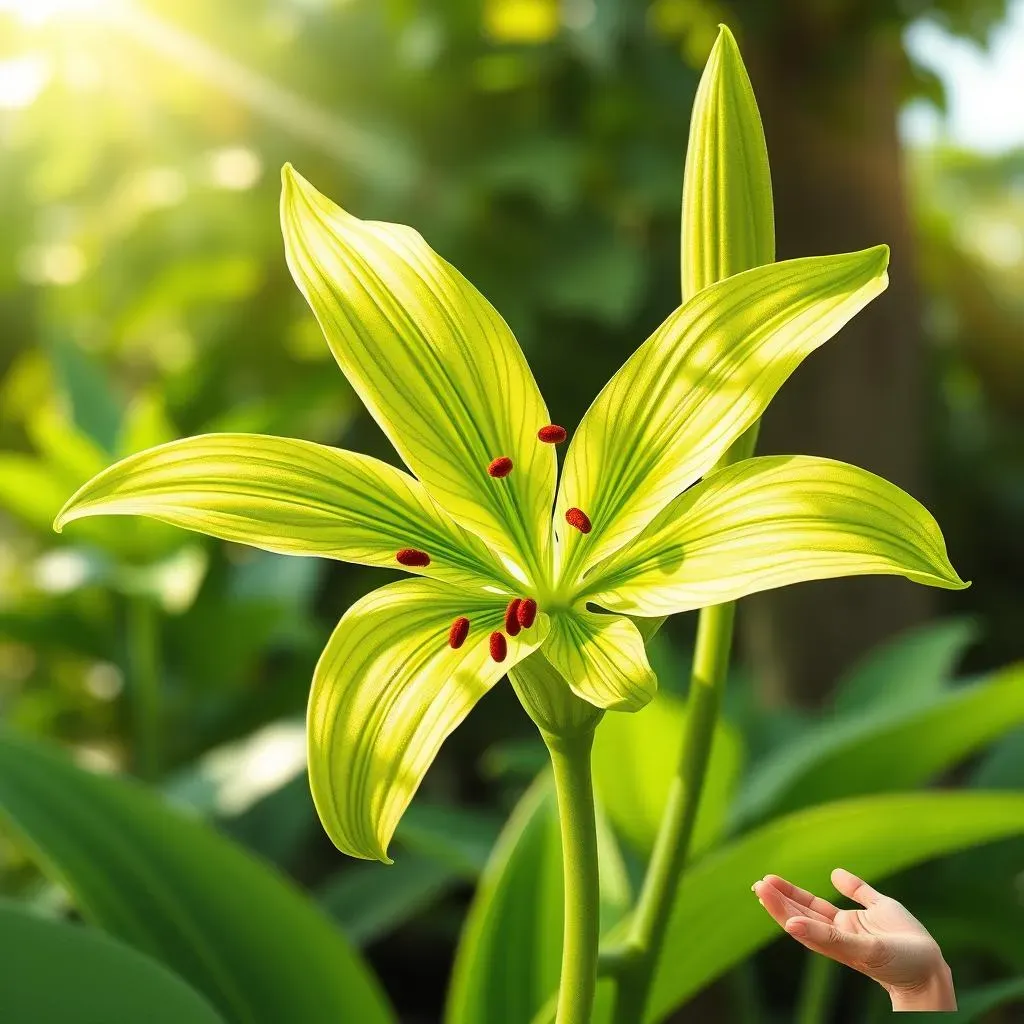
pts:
[505, 586]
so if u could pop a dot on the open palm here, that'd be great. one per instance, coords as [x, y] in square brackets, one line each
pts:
[883, 940]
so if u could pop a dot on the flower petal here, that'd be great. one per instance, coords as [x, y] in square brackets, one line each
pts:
[603, 659]
[435, 365]
[387, 691]
[694, 386]
[728, 216]
[548, 699]
[291, 496]
[769, 522]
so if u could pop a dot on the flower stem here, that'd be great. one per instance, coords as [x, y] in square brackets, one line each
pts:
[661, 881]
[141, 629]
[816, 988]
[570, 763]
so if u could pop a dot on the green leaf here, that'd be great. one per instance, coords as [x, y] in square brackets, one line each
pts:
[387, 691]
[975, 1003]
[435, 365]
[95, 408]
[886, 748]
[704, 376]
[461, 838]
[635, 760]
[371, 900]
[915, 666]
[771, 522]
[509, 955]
[30, 490]
[728, 223]
[603, 659]
[716, 923]
[290, 496]
[166, 884]
[56, 973]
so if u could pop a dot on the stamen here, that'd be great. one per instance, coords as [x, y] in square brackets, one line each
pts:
[512, 626]
[412, 556]
[500, 467]
[499, 646]
[552, 434]
[578, 518]
[458, 633]
[527, 612]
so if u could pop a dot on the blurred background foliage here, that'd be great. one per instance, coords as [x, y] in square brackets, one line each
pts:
[538, 145]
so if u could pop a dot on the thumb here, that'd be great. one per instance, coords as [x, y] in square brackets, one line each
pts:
[859, 951]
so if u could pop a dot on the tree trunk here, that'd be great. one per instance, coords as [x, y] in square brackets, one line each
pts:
[829, 109]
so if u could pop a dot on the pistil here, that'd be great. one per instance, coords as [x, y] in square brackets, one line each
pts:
[499, 646]
[412, 556]
[458, 633]
[578, 518]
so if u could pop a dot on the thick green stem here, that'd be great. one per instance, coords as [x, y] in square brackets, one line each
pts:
[141, 627]
[570, 762]
[650, 921]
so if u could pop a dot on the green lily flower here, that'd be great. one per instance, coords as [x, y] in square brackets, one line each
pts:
[505, 586]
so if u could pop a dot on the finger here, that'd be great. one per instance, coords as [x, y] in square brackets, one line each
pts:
[857, 951]
[782, 907]
[802, 896]
[855, 888]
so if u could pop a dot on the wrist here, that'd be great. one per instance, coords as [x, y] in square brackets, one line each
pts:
[933, 992]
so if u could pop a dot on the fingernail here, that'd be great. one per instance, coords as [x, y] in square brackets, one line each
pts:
[796, 927]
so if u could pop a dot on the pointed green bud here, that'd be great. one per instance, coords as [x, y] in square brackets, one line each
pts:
[728, 219]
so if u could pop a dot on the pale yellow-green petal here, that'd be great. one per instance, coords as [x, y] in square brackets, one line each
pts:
[603, 659]
[433, 362]
[290, 496]
[728, 222]
[387, 691]
[769, 522]
[548, 699]
[694, 386]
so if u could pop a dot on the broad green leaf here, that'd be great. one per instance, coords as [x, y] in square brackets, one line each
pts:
[371, 900]
[976, 1002]
[603, 659]
[459, 837]
[56, 973]
[716, 923]
[95, 408]
[71, 452]
[290, 496]
[145, 425]
[30, 490]
[433, 362]
[387, 691]
[770, 522]
[884, 748]
[509, 955]
[728, 223]
[635, 760]
[168, 885]
[914, 666]
[704, 376]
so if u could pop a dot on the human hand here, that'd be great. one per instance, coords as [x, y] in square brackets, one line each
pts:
[884, 940]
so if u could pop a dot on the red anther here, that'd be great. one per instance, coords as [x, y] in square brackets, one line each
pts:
[412, 556]
[512, 626]
[458, 633]
[527, 612]
[499, 646]
[501, 466]
[578, 518]
[552, 434]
